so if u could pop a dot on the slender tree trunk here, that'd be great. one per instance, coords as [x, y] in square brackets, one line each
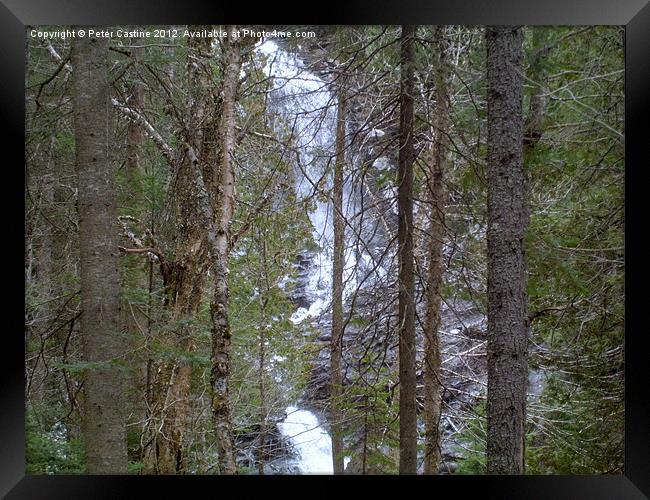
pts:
[364, 459]
[104, 420]
[533, 127]
[507, 220]
[337, 291]
[432, 361]
[262, 389]
[406, 312]
[135, 319]
[266, 286]
[221, 335]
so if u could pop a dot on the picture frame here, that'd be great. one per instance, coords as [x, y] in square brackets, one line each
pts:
[17, 16]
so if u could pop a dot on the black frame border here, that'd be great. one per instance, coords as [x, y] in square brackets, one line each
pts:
[17, 15]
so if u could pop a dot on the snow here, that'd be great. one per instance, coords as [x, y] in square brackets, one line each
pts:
[382, 163]
[276, 358]
[315, 309]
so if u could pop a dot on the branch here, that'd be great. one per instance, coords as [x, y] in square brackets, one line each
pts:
[155, 136]
[55, 55]
[152, 250]
[42, 85]
[557, 309]
[251, 217]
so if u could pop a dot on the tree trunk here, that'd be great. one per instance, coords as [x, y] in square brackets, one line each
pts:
[406, 311]
[533, 126]
[104, 420]
[225, 204]
[136, 279]
[337, 291]
[168, 417]
[266, 287]
[432, 361]
[184, 282]
[507, 220]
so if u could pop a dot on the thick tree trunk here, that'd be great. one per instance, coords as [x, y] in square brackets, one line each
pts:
[104, 420]
[225, 197]
[337, 291]
[432, 361]
[167, 420]
[184, 281]
[406, 308]
[507, 220]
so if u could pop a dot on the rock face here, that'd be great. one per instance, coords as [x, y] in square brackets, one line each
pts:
[299, 296]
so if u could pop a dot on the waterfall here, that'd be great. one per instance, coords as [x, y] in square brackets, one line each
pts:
[308, 108]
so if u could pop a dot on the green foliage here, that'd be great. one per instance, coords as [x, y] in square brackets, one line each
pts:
[51, 451]
[371, 424]
[81, 367]
[473, 439]
[574, 249]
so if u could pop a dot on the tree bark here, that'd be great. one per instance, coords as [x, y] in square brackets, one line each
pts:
[507, 221]
[225, 204]
[104, 420]
[432, 361]
[337, 291]
[406, 298]
[135, 320]
[167, 420]
[265, 285]
[185, 278]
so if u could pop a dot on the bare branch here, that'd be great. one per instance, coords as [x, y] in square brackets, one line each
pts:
[149, 129]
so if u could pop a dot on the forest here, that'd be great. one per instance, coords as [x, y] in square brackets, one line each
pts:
[324, 250]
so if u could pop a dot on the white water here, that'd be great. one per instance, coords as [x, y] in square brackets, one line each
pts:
[302, 100]
[308, 110]
[311, 441]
